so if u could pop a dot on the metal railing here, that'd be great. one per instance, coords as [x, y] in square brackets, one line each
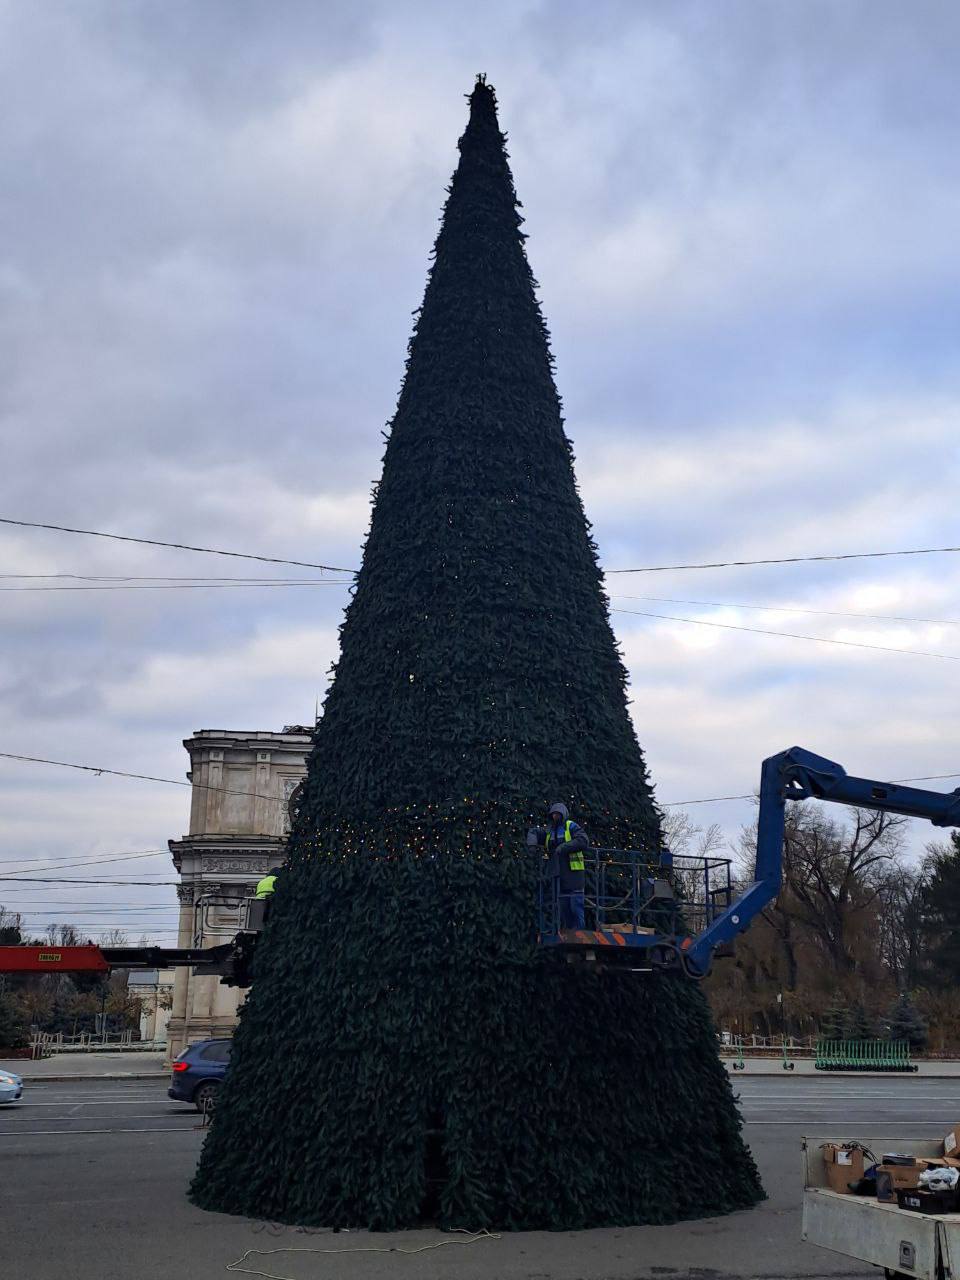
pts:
[638, 891]
[44, 1044]
[787, 1052]
[767, 1046]
[219, 916]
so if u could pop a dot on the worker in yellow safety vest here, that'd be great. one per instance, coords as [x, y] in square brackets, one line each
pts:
[564, 843]
[268, 883]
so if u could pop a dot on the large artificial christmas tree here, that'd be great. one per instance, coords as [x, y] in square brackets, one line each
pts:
[406, 1052]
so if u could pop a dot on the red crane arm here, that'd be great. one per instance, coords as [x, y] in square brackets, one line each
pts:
[230, 961]
[48, 959]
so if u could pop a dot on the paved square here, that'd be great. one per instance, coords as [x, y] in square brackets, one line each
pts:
[93, 1176]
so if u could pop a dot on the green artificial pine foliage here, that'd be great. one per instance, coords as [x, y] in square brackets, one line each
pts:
[906, 1022]
[940, 910]
[833, 1021]
[858, 1025]
[13, 1026]
[423, 1058]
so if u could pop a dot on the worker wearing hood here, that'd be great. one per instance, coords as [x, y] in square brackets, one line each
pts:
[564, 842]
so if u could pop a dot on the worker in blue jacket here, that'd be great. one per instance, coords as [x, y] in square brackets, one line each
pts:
[564, 843]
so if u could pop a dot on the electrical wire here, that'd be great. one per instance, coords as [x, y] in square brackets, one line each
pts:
[60, 880]
[46, 894]
[896, 782]
[176, 546]
[791, 635]
[656, 568]
[192, 586]
[155, 577]
[472, 1238]
[680, 804]
[782, 608]
[665, 804]
[93, 857]
[142, 777]
[738, 564]
[27, 903]
[97, 911]
[201, 578]
[59, 865]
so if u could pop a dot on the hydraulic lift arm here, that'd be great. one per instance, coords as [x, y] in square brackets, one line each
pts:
[225, 962]
[797, 774]
[231, 961]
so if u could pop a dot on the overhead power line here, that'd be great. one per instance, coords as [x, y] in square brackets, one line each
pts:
[63, 880]
[92, 857]
[62, 909]
[327, 568]
[47, 890]
[79, 903]
[681, 804]
[202, 578]
[82, 862]
[142, 777]
[739, 564]
[176, 546]
[782, 608]
[665, 804]
[897, 782]
[189, 586]
[791, 635]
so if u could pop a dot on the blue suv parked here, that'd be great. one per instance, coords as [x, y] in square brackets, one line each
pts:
[198, 1073]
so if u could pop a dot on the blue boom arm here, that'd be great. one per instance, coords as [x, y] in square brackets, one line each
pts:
[796, 774]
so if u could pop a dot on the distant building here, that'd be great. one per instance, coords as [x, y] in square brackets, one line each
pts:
[239, 820]
[154, 989]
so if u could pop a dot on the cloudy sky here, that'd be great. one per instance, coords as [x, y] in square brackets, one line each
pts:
[215, 223]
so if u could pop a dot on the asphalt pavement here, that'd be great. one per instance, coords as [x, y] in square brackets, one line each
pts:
[127, 1065]
[93, 1177]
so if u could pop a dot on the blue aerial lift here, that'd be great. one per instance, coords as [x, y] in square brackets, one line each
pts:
[652, 911]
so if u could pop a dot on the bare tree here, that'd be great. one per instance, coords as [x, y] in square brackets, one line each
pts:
[835, 872]
[684, 838]
[900, 933]
[9, 927]
[63, 935]
[693, 846]
[114, 938]
[833, 877]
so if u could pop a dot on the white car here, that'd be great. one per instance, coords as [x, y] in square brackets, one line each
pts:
[11, 1087]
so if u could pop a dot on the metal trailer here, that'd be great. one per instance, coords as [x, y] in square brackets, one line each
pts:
[904, 1243]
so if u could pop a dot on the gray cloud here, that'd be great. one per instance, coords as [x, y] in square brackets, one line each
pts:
[215, 225]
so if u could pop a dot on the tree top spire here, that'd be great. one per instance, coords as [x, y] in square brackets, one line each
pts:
[483, 97]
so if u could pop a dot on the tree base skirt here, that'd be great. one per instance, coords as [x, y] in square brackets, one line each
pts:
[438, 1070]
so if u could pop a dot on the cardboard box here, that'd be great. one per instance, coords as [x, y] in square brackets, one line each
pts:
[892, 1178]
[951, 1143]
[843, 1165]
